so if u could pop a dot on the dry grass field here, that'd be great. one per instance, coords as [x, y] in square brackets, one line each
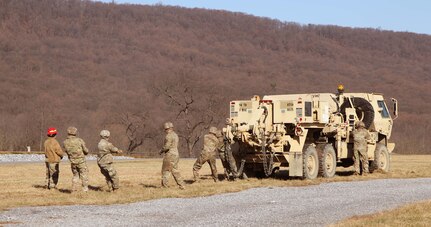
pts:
[23, 184]
[418, 214]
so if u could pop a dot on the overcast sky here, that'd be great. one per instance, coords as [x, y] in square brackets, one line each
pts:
[396, 15]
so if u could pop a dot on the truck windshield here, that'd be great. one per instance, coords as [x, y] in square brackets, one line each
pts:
[384, 113]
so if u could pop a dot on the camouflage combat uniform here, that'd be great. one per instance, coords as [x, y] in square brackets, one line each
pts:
[170, 160]
[76, 150]
[208, 154]
[226, 152]
[53, 155]
[360, 137]
[227, 159]
[105, 160]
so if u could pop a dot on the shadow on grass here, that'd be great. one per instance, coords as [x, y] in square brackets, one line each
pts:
[148, 185]
[95, 188]
[67, 191]
[222, 177]
[345, 173]
[189, 181]
[38, 186]
[207, 177]
[92, 188]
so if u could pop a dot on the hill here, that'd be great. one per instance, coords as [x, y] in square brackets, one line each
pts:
[129, 68]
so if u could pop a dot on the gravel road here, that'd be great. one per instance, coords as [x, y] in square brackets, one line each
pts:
[281, 206]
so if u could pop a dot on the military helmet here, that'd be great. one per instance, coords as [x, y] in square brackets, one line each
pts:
[213, 130]
[168, 125]
[219, 133]
[105, 133]
[227, 121]
[72, 130]
[360, 124]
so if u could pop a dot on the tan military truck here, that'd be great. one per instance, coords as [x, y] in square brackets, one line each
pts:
[310, 134]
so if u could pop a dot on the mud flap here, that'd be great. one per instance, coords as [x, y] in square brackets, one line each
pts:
[391, 147]
[295, 164]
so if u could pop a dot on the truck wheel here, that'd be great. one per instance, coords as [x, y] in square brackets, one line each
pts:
[311, 163]
[327, 161]
[381, 159]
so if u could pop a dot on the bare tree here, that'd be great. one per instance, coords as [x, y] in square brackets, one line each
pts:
[194, 115]
[135, 125]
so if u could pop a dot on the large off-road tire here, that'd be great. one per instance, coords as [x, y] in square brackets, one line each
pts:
[327, 161]
[311, 163]
[382, 159]
[364, 110]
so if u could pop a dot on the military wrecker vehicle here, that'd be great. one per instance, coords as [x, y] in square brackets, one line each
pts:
[311, 134]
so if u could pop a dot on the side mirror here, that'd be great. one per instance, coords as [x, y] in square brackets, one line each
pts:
[395, 102]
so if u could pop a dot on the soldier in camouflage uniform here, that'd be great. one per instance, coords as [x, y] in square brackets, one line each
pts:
[208, 154]
[171, 158]
[53, 155]
[360, 137]
[225, 152]
[105, 160]
[221, 148]
[76, 150]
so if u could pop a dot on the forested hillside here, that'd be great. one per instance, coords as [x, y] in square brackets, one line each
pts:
[129, 68]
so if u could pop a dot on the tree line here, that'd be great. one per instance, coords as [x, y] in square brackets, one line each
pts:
[129, 68]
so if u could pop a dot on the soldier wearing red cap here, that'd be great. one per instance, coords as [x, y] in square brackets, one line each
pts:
[53, 155]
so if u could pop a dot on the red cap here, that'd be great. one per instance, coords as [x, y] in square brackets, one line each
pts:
[52, 131]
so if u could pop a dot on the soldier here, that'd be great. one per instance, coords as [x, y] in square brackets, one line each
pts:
[225, 152]
[208, 154]
[53, 155]
[171, 158]
[105, 160]
[76, 150]
[221, 148]
[360, 137]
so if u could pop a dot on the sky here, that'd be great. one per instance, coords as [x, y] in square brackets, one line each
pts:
[396, 15]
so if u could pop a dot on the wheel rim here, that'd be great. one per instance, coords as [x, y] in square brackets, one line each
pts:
[329, 164]
[311, 164]
[360, 114]
[382, 160]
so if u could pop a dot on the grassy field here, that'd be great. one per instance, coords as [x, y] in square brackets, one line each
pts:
[418, 214]
[24, 184]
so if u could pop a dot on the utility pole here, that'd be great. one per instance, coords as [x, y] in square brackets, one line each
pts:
[41, 131]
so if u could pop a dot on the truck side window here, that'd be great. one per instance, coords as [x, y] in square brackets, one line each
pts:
[307, 109]
[384, 113]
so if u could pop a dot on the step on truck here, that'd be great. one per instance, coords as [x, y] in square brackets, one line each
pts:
[309, 134]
